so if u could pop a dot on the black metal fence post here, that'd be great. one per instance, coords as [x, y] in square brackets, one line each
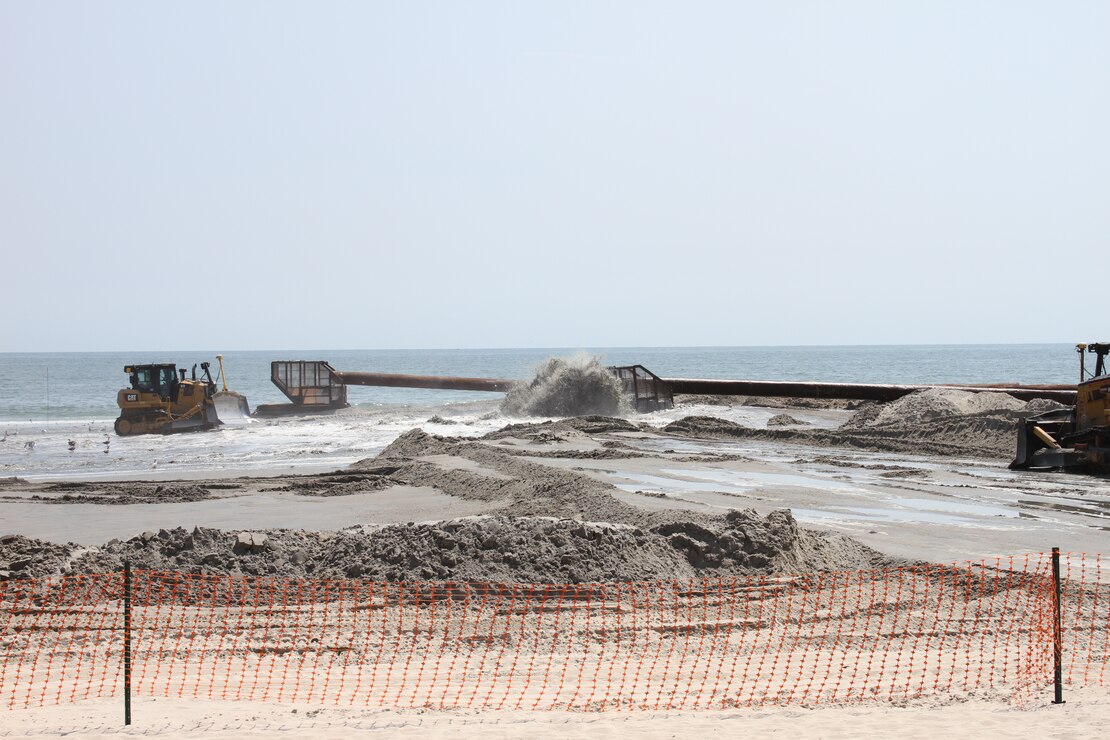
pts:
[1057, 632]
[126, 642]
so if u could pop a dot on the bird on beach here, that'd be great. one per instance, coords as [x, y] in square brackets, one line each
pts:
[72, 445]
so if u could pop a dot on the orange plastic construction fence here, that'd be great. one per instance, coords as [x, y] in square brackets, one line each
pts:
[879, 635]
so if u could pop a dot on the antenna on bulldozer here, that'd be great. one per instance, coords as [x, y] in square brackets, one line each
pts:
[220, 359]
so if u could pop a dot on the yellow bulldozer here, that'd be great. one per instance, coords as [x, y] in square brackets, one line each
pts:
[1075, 438]
[162, 400]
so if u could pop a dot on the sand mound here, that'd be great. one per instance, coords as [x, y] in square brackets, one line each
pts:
[519, 486]
[938, 403]
[563, 429]
[567, 387]
[23, 557]
[929, 426]
[1043, 405]
[935, 421]
[786, 420]
[475, 549]
[942, 420]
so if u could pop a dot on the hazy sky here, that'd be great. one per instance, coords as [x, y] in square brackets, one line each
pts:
[465, 174]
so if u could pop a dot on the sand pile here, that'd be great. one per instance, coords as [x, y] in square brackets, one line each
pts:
[567, 387]
[786, 420]
[562, 428]
[23, 557]
[472, 470]
[936, 421]
[1043, 405]
[943, 418]
[474, 549]
[569, 438]
[935, 403]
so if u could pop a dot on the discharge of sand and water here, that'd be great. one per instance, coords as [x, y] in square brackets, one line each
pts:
[572, 386]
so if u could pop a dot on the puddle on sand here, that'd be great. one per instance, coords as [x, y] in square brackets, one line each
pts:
[690, 447]
[909, 510]
[746, 480]
[722, 480]
[956, 507]
[808, 516]
[661, 484]
[1091, 508]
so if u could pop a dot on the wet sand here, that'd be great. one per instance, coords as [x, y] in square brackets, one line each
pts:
[921, 507]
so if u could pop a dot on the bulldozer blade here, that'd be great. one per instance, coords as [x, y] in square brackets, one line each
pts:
[231, 408]
[1027, 444]
[194, 424]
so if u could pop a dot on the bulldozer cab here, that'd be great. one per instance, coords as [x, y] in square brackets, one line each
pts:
[1100, 350]
[160, 379]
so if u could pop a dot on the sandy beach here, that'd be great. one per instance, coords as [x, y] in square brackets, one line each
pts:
[817, 488]
[1082, 717]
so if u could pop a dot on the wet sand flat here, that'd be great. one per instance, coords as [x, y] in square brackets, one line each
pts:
[94, 524]
[913, 507]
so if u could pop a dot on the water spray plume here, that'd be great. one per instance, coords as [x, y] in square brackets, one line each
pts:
[573, 386]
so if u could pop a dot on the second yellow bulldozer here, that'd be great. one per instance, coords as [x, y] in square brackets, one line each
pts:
[1075, 438]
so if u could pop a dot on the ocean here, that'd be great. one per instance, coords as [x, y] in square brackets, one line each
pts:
[48, 400]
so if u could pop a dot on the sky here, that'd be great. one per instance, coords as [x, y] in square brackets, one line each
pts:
[332, 175]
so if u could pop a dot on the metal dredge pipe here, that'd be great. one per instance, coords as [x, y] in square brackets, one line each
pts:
[710, 386]
[440, 382]
[857, 391]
